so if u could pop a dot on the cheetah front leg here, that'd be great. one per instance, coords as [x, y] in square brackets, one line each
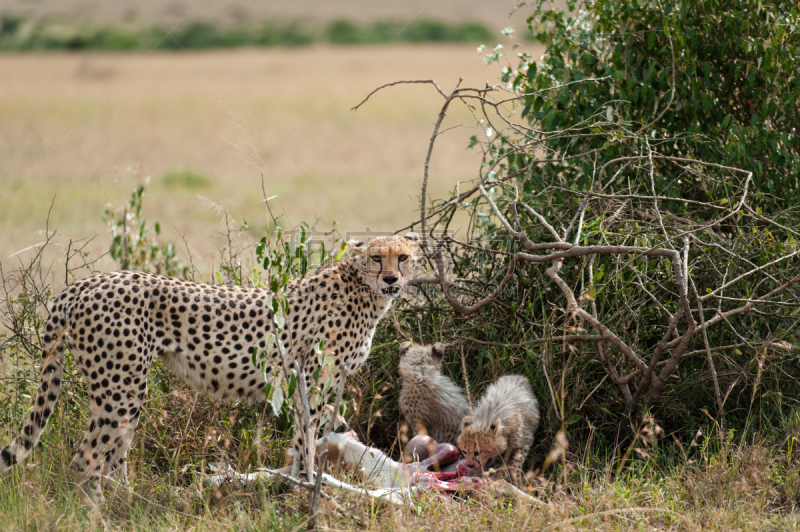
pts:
[306, 429]
[512, 461]
[516, 459]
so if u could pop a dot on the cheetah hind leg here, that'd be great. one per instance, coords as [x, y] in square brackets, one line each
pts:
[86, 467]
[103, 450]
[115, 465]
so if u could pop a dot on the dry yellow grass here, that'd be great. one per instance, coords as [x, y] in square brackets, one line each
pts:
[86, 128]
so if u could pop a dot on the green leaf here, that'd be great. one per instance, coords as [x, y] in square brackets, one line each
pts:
[254, 358]
[268, 391]
[276, 401]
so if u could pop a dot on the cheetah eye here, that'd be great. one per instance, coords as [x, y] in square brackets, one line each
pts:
[376, 258]
[401, 258]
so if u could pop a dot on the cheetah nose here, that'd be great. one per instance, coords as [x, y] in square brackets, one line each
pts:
[390, 279]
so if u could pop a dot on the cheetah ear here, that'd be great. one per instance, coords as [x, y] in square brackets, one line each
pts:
[496, 427]
[467, 421]
[404, 347]
[414, 240]
[438, 350]
[358, 246]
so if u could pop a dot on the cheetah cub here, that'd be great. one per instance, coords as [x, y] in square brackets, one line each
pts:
[430, 402]
[502, 425]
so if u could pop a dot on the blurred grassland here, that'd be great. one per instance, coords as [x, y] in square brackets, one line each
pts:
[81, 130]
[20, 33]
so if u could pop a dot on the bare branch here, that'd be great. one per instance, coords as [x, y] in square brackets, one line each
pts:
[752, 303]
[436, 126]
[541, 219]
[748, 273]
[401, 82]
[710, 359]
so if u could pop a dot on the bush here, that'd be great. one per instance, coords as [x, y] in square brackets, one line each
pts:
[472, 32]
[718, 76]
[597, 156]
[9, 25]
[292, 34]
[381, 32]
[109, 40]
[426, 30]
[344, 32]
[61, 33]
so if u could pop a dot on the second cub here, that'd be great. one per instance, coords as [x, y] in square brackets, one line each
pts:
[430, 402]
[503, 423]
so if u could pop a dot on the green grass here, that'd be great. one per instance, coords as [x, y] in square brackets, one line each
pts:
[744, 487]
[712, 485]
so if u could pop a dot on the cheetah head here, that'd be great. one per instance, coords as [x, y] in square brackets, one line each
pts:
[479, 442]
[421, 359]
[387, 262]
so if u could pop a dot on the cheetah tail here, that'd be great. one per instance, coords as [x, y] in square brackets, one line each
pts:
[50, 381]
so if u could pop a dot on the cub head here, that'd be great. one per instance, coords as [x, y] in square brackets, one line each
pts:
[421, 359]
[387, 262]
[480, 442]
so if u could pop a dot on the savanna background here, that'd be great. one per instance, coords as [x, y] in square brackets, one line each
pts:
[176, 136]
[213, 129]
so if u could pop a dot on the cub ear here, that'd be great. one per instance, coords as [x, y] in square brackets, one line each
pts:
[438, 350]
[413, 237]
[357, 245]
[496, 427]
[404, 347]
[467, 421]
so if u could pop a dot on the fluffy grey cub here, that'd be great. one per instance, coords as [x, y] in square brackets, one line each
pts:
[431, 402]
[502, 425]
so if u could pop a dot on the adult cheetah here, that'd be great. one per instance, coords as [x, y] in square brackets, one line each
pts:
[116, 324]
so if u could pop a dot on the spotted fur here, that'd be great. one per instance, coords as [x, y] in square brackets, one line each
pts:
[430, 401]
[503, 424]
[116, 324]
